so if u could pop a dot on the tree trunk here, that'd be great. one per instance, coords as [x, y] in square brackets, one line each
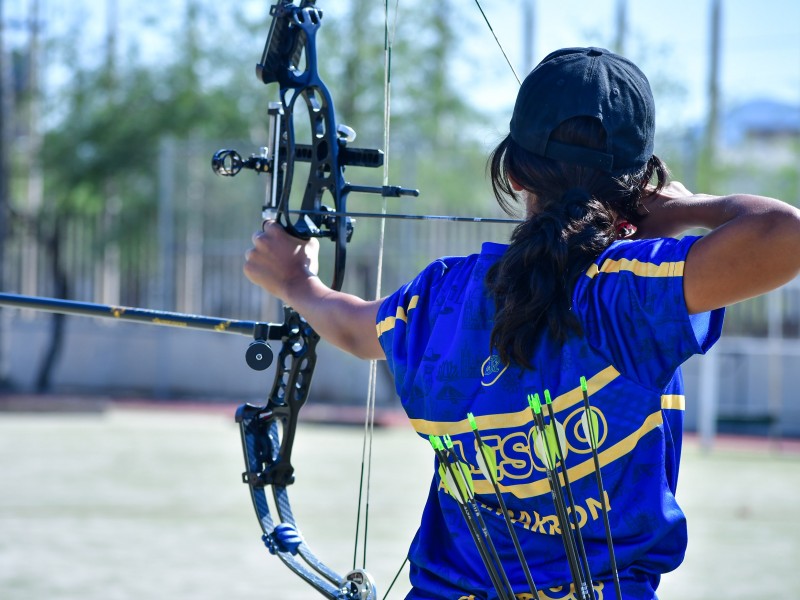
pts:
[58, 321]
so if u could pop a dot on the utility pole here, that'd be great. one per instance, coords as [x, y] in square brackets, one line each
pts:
[108, 271]
[710, 372]
[528, 36]
[712, 121]
[5, 174]
[621, 26]
[5, 141]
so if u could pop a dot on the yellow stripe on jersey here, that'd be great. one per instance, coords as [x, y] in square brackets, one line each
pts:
[643, 269]
[388, 323]
[515, 419]
[618, 450]
[673, 402]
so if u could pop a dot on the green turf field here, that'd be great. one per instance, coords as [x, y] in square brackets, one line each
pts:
[148, 504]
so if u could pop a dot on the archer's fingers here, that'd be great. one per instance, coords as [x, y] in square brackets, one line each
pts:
[270, 231]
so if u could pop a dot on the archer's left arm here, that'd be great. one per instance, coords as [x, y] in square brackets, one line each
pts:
[286, 267]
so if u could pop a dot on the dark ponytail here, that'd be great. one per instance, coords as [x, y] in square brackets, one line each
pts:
[572, 221]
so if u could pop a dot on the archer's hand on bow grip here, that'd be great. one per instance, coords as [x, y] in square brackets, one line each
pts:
[280, 262]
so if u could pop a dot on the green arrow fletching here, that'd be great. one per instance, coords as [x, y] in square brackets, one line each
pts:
[472, 422]
[465, 479]
[545, 446]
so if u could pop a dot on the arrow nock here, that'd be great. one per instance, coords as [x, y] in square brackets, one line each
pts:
[534, 403]
[435, 442]
[472, 422]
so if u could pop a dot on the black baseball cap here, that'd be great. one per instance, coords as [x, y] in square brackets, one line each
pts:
[587, 82]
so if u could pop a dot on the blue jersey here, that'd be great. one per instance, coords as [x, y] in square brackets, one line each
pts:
[435, 332]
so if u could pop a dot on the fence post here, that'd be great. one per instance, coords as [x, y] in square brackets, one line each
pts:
[709, 398]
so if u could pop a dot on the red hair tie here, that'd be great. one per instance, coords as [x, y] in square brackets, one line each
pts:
[625, 229]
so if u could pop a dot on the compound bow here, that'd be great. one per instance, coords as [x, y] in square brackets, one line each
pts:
[290, 60]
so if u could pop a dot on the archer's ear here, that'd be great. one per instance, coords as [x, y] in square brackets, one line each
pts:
[514, 185]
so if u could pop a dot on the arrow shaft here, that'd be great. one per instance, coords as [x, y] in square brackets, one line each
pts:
[578, 536]
[560, 507]
[368, 215]
[507, 518]
[474, 529]
[592, 435]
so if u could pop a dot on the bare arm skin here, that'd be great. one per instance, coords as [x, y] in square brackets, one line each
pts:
[286, 267]
[753, 246]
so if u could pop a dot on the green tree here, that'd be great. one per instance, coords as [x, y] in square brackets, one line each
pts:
[101, 155]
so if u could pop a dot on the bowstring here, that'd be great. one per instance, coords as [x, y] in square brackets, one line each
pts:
[369, 419]
[497, 41]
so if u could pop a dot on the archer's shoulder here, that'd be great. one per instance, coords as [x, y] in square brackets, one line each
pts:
[446, 279]
[459, 266]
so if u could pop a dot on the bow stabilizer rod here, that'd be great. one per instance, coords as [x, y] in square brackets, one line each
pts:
[141, 315]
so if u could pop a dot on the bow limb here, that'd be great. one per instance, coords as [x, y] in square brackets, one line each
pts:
[267, 434]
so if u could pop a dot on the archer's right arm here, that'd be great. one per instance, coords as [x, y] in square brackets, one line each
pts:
[753, 246]
[286, 267]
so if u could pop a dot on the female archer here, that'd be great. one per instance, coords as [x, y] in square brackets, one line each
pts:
[596, 282]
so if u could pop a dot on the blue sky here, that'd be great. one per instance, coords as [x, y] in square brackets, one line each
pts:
[670, 40]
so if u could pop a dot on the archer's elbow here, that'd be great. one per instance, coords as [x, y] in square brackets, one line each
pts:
[779, 232]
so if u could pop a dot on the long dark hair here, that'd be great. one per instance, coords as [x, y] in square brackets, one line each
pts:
[572, 223]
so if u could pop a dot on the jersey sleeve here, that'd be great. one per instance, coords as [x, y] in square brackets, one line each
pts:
[633, 311]
[405, 320]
